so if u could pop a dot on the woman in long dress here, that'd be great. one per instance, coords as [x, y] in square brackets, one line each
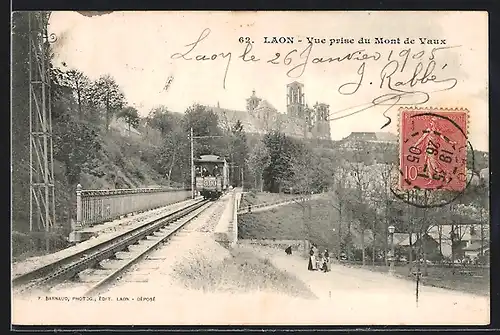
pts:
[312, 260]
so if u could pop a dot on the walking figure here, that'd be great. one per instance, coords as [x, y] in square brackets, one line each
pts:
[326, 261]
[312, 260]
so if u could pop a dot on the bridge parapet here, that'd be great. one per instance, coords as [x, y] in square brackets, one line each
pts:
[226, 231]
[98, 206]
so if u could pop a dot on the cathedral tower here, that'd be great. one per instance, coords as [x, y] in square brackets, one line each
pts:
[295, 104]
[321, 117]
[252, 103]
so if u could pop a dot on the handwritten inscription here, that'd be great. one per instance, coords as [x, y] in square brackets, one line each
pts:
[404, 73]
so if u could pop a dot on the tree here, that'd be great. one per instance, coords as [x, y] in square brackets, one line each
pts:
[383, 193]
[302, 171]
[282, 151]
[300, 181]
[172, 156]
[204, 123]
[91, 98]
[130, 115]
[162, 119]
[79, 83]
[109, 96]
[76, 145]
[238, 149]
[258, 160]
[20, 121]
[340, 195]
[174, 152]
[359, 205]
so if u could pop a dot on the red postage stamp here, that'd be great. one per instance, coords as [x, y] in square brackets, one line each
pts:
[433, 150]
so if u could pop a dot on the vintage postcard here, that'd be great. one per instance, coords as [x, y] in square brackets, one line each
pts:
[250, 168]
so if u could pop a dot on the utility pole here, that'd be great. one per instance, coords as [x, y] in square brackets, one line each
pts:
[232, 169]
[242, 178]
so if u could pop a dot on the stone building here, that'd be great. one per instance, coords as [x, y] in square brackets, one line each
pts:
[356, 138]
[299, 120]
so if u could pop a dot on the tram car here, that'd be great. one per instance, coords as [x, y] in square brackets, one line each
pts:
[211, 176]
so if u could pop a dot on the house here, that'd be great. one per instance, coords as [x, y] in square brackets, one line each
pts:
[467, 240]
[403, 239]
[403, 243]
[474, 249]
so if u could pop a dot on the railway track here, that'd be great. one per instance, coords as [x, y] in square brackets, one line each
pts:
[135, 244]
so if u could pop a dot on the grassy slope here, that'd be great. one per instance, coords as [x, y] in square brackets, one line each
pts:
[286, 222]
[119, 165]
[242, 271]
[257, 198]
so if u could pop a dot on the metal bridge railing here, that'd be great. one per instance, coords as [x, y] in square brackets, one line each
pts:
[97, 206]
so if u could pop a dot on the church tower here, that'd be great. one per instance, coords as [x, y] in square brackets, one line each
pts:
[252, 103]
[295, 104]
[322, 120]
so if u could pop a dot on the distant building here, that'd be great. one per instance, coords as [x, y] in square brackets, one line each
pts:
[474, 249]
[467, 240]
[368, 137]
[484, 174]
[299, 120]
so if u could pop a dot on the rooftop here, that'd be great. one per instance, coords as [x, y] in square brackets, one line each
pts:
[209, 158]
[372, 137]
[265, 104]
[475, 246]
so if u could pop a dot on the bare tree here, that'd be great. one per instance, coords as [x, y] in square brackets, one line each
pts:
[359, 205]
[339, 196]
[302, 183]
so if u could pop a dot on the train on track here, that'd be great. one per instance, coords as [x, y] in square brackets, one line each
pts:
[211, 176]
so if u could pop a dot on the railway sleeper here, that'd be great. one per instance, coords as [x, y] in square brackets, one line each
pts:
[82, 261]
[98, 266]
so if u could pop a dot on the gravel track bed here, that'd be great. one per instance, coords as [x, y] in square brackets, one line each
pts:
[215, 213]
[154, 272]
[102, 233]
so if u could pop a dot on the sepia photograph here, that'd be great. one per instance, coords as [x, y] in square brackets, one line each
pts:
[249, 168]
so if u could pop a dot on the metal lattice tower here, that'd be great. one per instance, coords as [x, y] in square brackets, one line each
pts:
[42, 195]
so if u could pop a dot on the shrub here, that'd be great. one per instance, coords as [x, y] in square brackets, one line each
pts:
[243, 271]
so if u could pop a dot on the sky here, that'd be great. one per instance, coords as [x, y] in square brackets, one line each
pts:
[136, 48]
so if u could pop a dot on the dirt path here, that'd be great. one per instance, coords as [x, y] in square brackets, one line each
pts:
[374, 297]
[255, 209]
[346, 296]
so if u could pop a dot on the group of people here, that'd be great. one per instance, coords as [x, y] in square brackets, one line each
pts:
[318, 261]
[205, 173]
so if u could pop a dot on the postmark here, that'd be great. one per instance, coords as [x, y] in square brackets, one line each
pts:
[433, 149]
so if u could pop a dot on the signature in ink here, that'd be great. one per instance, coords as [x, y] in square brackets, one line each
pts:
[399, 89]
[389, 99]
[203, 58]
